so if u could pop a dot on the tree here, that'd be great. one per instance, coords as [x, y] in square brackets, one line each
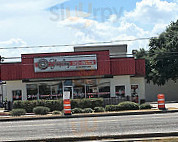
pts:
[162, 57]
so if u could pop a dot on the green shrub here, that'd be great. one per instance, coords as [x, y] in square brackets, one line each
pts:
[58, 104]
[88, 110]
[145, 106]
[97, 103]
[56, 112]
[29, 105]
[17, 112]
[17, 104]
[99, 109]
[87, 103]
[112, 108]
[75, 103]
[128, 106]
[54, 104]
[77, 110]
[40, 110]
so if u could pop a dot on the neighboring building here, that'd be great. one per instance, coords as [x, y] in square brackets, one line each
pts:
[88, 72]
[170, 90]
[114, 50]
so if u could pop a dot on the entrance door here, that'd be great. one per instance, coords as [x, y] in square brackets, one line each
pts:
[70, 89]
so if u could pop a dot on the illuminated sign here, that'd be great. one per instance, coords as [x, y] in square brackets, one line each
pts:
[65, 63]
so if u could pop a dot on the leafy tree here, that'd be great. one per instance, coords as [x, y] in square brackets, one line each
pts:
[162, 57]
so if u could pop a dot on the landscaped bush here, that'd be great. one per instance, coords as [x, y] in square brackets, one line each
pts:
[145, 106]
[112, 108]
[40, 110]
[88, 110]
[99, 109]
[128, 106]
[75, 103]
[87, 103]
[17, 112]
[77, 110]
[56, 112]
[29, 105]
[58, 104]
[54, 104]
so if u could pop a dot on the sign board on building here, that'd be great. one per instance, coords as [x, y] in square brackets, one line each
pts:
[65, 63]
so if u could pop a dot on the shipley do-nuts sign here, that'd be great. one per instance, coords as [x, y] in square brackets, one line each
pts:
[65, 63]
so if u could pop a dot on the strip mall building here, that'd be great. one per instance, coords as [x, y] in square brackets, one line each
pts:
[88, 72]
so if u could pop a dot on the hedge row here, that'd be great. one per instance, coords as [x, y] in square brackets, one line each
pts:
[17, 112]
[87, 103]
[30, 105]
[120, 107]
[41, 110]
[79, 110]
[58, 104]
[127, 106]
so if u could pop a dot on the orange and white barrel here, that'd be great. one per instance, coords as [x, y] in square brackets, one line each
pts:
[67, 107]
[161, 101]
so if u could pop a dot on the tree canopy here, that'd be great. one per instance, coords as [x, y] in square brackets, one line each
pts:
[162, 57]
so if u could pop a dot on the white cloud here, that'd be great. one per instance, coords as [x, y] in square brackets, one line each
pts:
[158, 28]
[27, 23]
[153, 12]
[155, 15]
[12, 42]
[17, 42]
[93, 31]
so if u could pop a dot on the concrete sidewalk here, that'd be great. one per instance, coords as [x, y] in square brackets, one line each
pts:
[1, 109]
[168, 105]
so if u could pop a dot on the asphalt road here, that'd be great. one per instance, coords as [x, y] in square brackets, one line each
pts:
[96, 126]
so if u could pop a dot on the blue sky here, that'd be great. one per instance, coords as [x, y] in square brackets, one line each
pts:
[51, 22]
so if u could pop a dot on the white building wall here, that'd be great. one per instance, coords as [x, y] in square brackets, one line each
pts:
[15, 85]
[4, 91]
[140, 81]
[124, 80]
[120, 81]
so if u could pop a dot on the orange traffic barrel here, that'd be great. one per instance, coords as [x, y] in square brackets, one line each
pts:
[67, 107]
[161, 101]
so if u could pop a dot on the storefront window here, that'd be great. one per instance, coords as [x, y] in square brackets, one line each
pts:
[57, 91]
[104, 92]
[120, 91]
[92, 92]
[79, 92]
[45, 91]
[32, 91]
[17, 95]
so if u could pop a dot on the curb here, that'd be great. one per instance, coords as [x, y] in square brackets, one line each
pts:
[109, 137]
[89, 115]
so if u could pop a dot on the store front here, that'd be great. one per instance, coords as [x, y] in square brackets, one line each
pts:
[86, 88]
[90, 74]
